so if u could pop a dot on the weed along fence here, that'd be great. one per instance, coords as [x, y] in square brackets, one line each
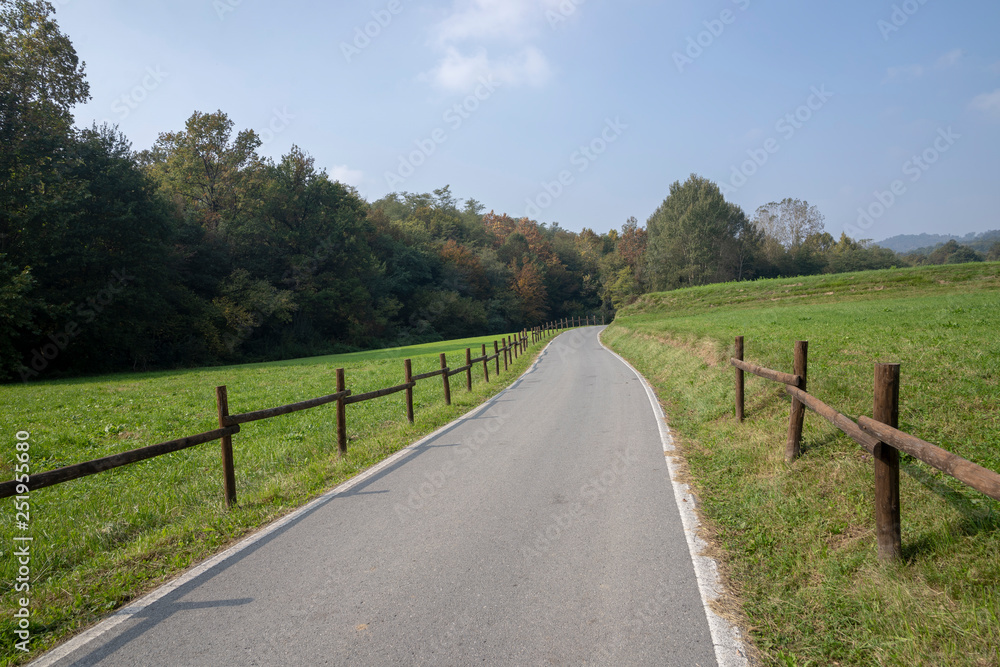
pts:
[879, 435]
[507, 349]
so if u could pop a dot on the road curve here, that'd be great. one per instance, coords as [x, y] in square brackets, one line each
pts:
[539, 529]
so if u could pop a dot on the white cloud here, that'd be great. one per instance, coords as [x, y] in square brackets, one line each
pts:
[341, 172]
[460, 73]
[515, 20]
[950, 59]
[507, 27]
[905, 72]
[988, 103]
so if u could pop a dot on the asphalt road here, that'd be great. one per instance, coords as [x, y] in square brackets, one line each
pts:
[540, 530]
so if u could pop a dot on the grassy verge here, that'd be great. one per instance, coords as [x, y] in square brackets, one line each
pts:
[101, 541]
[797, 540]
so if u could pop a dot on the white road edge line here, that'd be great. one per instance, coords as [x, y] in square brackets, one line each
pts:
[729, 651]
[127, 612]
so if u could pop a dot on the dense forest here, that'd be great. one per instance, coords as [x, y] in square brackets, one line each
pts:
[198, 250]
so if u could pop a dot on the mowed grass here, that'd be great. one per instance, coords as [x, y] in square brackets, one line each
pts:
[101, 541]
[797, 540]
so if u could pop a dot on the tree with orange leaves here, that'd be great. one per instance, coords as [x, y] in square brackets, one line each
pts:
[501, 226]
[530, 290]
[468, 267]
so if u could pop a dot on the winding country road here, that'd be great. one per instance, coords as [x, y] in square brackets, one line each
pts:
[539, 529]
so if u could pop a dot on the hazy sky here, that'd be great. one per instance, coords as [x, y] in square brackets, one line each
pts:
[584, 112]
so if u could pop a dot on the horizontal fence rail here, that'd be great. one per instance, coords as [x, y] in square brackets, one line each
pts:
[880, 436]
[841, 421]
[979, 478]
[767, 373]
[509, 349]
[267, 413]
[378, 393]
[59, 475]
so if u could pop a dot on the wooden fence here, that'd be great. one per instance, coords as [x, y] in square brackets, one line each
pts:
[508, 349]
[879, 435]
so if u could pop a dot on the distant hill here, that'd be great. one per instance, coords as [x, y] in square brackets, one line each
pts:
[925, 243]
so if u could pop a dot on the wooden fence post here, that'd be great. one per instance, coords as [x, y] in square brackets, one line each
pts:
[408, 378]
[341, 414]
[444, 378]
[496, 351]
[468, 369]
[486, 365]
[602, 319]
[886, 410]
[793, 446]
[739, 380]
[228, 468]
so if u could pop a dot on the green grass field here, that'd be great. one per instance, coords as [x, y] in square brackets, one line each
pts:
[797, 541]
[101, 541]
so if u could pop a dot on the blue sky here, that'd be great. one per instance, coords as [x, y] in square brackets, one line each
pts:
[583, 112]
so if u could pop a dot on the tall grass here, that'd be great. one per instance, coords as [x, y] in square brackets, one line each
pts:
[797, 540]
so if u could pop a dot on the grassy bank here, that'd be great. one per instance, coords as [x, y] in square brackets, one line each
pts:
[798, 539]
[101, 541]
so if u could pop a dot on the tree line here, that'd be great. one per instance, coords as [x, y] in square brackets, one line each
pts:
[199, 251]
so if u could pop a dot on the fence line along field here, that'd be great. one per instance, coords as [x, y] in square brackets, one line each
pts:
[879, 436]
[101, 540]
[798, 537]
